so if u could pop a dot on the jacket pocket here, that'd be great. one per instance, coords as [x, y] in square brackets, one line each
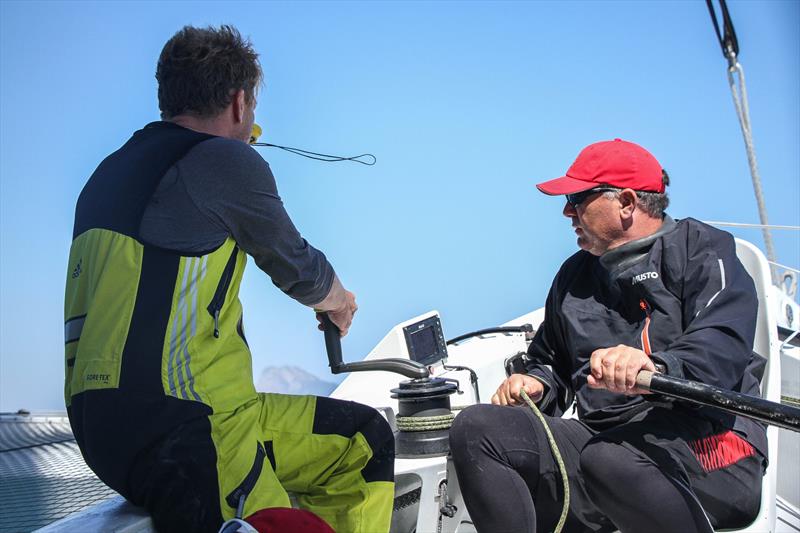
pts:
[246, 486]
[215, 307]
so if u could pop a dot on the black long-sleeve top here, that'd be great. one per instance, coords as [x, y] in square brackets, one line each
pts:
[221, 188]
[681, 290]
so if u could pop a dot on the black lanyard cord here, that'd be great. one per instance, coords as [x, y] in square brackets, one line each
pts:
[323, 157]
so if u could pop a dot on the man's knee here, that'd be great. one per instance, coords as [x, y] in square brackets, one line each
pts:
[732, 496]
[468, 429]
[481, 430]
[177, 507]
[605, 464]
[180, 498]
[176, 482]
[379, 435]
[346, 418]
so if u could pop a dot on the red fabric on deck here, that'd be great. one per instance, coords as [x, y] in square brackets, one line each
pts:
[285, 520]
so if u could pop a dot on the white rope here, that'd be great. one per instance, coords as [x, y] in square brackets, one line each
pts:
[743, 225]
[743, 112]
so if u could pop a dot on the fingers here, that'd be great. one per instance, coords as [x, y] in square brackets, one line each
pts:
[515, 383]
[341, 319]
[615, 369]
[615, 366]
[621, 366]
[648, 366]
[533, 388]
[343, 316]
[508, 391]
[608, 364]
[595, 364]
[629, 382]
[502, 396]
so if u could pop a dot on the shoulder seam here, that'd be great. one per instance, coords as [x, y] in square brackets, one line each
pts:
[194, 203]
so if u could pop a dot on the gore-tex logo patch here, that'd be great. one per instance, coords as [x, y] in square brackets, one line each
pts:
[641, 277]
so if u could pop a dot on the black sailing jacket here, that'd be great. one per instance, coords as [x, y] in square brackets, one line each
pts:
[680, 294]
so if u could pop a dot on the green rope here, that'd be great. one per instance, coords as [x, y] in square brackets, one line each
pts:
[425, 423]
[557, 455]
[788, 400]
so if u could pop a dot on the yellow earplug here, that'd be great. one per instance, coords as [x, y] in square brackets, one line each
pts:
[255, 134]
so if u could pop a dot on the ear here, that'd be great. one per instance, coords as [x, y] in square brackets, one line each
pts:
[239, 105]
[627, 203]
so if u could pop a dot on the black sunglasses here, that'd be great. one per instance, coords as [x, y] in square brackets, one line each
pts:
[576, 199]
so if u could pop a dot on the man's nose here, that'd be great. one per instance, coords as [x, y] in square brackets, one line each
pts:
[569, 211]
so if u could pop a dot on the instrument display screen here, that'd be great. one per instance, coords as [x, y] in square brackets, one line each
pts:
[425, 341]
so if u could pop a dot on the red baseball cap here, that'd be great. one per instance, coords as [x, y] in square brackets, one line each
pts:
[617, 163]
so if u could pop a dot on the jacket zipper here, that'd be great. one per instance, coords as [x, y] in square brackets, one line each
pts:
[217, 302]
[645, 330]
[240, 331]
[236, 498]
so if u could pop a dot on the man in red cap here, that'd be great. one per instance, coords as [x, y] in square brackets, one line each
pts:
[644, 292]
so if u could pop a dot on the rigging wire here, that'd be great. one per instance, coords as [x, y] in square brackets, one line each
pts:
[744, 225]
[730, 49]
[784, 266]
[788, 279]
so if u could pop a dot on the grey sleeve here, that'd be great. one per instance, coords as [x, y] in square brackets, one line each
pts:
[232, 185]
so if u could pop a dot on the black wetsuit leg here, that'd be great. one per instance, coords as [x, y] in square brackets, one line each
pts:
[509, 477]
[670, 472]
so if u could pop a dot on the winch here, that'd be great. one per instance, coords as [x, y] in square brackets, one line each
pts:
[424, 416]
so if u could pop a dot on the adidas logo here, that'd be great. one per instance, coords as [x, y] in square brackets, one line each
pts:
[77, 271]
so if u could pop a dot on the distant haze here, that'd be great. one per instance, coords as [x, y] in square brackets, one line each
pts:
[292, 380]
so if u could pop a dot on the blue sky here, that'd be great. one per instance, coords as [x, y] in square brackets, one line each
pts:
[465, 105]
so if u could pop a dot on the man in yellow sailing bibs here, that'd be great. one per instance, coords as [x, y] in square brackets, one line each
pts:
[159, 384]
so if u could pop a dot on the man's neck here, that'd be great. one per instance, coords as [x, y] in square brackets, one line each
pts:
[623, 256]
[642, 227]
[217, 125]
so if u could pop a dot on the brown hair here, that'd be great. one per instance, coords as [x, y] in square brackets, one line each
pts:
[200, 69]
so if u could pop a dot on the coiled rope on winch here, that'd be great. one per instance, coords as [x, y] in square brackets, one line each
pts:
[562, 469]
[425, 423]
